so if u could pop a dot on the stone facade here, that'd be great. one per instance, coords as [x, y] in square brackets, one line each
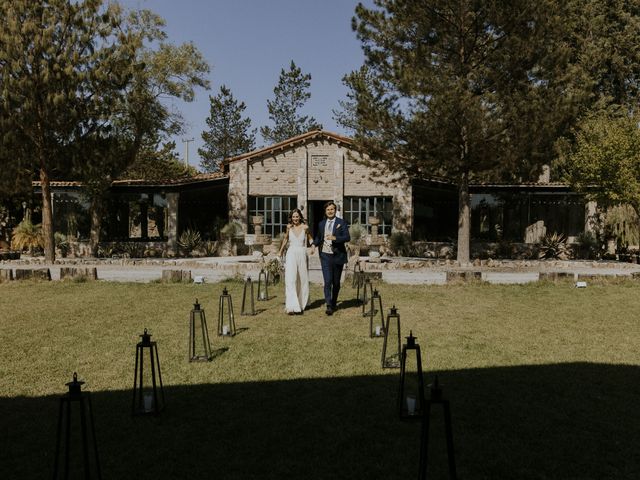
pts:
[316, 166]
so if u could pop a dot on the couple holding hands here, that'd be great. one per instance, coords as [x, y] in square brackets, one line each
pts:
[330, 239]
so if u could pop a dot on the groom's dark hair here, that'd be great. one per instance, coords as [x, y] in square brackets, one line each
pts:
[324, 207]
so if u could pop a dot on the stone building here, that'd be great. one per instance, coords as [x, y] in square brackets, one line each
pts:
[305, 172]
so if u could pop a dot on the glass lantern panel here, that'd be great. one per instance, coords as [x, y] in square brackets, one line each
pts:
[411, 387]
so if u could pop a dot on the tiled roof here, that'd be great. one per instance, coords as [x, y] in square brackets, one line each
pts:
[140, 182]
[290, 143]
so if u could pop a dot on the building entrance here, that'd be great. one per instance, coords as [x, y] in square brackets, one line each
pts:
[315, 214]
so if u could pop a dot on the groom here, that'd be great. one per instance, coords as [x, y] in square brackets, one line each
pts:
[330, 238]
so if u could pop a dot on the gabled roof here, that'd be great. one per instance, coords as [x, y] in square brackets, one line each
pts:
[291, 143]
[141, 182]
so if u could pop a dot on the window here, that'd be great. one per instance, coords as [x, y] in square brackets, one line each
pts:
[275, 211]
[359, 209]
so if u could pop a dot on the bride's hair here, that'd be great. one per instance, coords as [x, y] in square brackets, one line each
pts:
[299, 212]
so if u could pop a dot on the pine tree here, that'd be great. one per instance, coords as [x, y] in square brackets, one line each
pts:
[229, 134]
[468, 90]
[290, 95]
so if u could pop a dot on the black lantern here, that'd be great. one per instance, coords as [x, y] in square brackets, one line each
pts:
[367, 293]
[392, 340]
[411, 402]
[148, 394]
[76, 430]
[357, 277]
[227, 326]
[436, 398]
[248, 289]
[375, 330]
[199, 345]
[263, 286]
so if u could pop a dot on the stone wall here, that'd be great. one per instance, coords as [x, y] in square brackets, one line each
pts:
[320, 169]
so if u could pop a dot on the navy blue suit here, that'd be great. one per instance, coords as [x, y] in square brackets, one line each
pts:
[332, 263]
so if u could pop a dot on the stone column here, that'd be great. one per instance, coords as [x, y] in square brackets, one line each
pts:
[238, 192]
[590, 216]
[172, 222]
[339, 180]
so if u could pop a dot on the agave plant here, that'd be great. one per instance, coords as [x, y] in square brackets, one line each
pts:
[553, 246]
[189, 240]
[27, 236]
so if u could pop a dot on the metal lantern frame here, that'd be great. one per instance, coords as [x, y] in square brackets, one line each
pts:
[403, 410]
[75, 397]
[393, 360]
[197, 315]
[263, 286]
[372, 313]
[226, 303]
[367, 293]
[138, 404]
[356, 281]
[436, 398]
[248, 288]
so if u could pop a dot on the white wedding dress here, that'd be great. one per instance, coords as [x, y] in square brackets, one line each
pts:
[296, 273]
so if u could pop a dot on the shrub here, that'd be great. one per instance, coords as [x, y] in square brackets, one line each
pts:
[209, 248]
[62, 243]
[27, 236]
[588, 245]
[400, 243]
[230, 230]
[189, 240]
[133, 249]
[553, 247]
[357, 231]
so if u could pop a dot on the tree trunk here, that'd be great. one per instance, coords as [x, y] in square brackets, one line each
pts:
[96, 225]
[464, 219]
[47, 217]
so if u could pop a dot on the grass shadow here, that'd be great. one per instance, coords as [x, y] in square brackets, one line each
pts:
[561, 421]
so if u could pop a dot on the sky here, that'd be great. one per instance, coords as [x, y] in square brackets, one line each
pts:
[248, 42]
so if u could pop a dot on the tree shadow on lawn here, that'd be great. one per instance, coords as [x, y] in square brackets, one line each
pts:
[564, 421]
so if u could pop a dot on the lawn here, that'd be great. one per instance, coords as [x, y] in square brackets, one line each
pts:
[543, 379]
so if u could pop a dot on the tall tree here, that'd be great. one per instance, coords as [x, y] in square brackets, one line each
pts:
[229, 134]
[62, 66]
[290, 95]
[79, 92]
[142, 120]
[463, 89]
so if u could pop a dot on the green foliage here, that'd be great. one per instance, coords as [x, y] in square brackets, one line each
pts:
[357, 231]
[230, 230]
[62, 243]
[162, 164]
[553, 246]
[621, 223]
[589, 246]
[189, 240]
[456, 91]
[229, 134]
[400, 243]
[604, 160]
[27, 236]
[290, 95]
[80, 92]
[209, 247]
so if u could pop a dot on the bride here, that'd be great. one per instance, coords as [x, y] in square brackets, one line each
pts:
[296, 273]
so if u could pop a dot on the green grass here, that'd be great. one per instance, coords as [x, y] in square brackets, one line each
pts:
[543, 379]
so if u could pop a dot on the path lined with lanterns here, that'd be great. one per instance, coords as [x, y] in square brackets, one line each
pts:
[414, 403]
